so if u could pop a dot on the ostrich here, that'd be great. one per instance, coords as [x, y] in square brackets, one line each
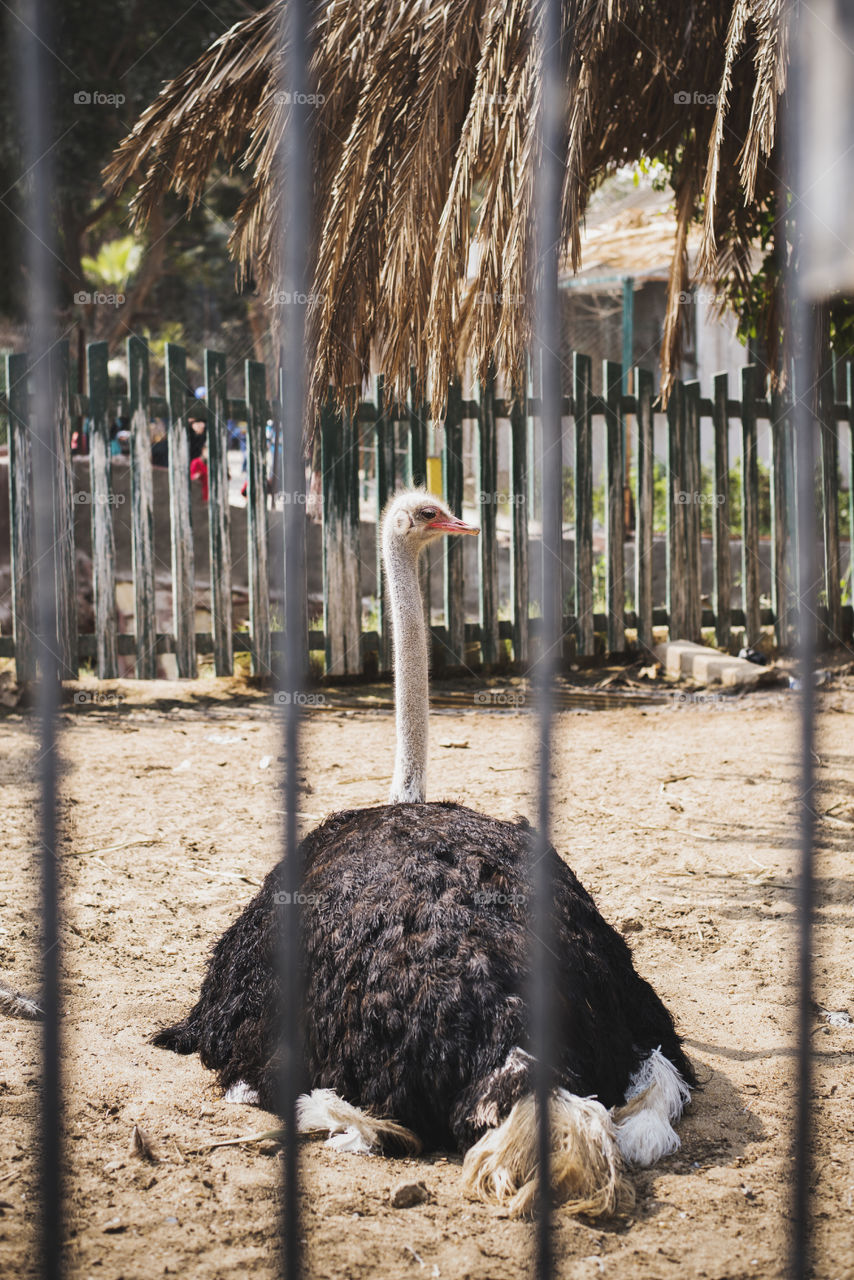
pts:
[416, 945]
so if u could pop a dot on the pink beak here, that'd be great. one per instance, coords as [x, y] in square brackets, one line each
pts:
[450, 524]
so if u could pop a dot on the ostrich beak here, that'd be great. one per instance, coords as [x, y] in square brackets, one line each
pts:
[450, 524]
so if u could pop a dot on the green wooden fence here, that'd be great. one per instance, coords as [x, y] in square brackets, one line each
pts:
[396, 438]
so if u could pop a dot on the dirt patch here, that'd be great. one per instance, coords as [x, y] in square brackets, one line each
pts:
[682, 822]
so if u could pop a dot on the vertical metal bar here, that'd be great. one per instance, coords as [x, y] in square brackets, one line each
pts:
[612, 377]
[519, 535]
[24, 601]
[644, 539]
[547, 199]
[255, 375]
[183, 558]
[455, 618]
[218, 513]
[721, 526]
[292, 172]
[103, 538]
[749, 505]
[142, 511]
[487, 485]
[34, 96]
[810, 125]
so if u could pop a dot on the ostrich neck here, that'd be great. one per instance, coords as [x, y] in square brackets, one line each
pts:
[411, 689]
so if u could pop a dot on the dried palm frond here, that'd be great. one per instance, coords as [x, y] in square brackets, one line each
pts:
[420, 105]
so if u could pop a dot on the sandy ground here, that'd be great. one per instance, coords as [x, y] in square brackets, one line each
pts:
[681, 821]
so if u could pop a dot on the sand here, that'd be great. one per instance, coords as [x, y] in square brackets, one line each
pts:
[681, 820]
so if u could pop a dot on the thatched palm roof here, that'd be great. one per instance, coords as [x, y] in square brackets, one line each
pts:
[426, 110]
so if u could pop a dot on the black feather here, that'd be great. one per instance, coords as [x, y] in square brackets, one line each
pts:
[416, 969]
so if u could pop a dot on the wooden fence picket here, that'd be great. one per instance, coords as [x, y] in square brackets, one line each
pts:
[101, 523]
[347, 647]
[180, 510]
[142, 510]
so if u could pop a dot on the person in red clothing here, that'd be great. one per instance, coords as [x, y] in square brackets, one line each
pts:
[197, 428]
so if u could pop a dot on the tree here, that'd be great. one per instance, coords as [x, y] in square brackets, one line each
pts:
[416, 120]
[110, 59]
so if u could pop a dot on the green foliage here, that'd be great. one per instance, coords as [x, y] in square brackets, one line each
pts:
[114, 59]
[114, 263]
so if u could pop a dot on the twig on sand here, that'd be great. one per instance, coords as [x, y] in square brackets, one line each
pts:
[269, 1135]
[113, 848]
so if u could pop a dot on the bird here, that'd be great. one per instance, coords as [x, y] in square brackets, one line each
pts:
[415, 934]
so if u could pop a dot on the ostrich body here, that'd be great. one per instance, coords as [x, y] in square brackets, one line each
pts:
[416, 943]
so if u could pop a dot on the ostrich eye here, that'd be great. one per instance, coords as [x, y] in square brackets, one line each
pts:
[427, 513]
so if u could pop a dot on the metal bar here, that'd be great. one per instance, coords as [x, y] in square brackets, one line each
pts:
[183, 559]
[721, 523]
[806, 80]
[453, 547]
[487, 488]
[24, 602]
[644, 535]
[218, 515]
[582, 381]
[612, 377]
[256, 515]
[35, 92]
[547, 204]
[100, 488]
[142, 511]
[292, 172]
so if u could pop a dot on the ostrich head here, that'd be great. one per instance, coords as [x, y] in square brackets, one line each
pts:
[412, 520]
[415, 517]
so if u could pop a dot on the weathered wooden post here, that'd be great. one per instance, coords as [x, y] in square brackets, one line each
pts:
[103, 537]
